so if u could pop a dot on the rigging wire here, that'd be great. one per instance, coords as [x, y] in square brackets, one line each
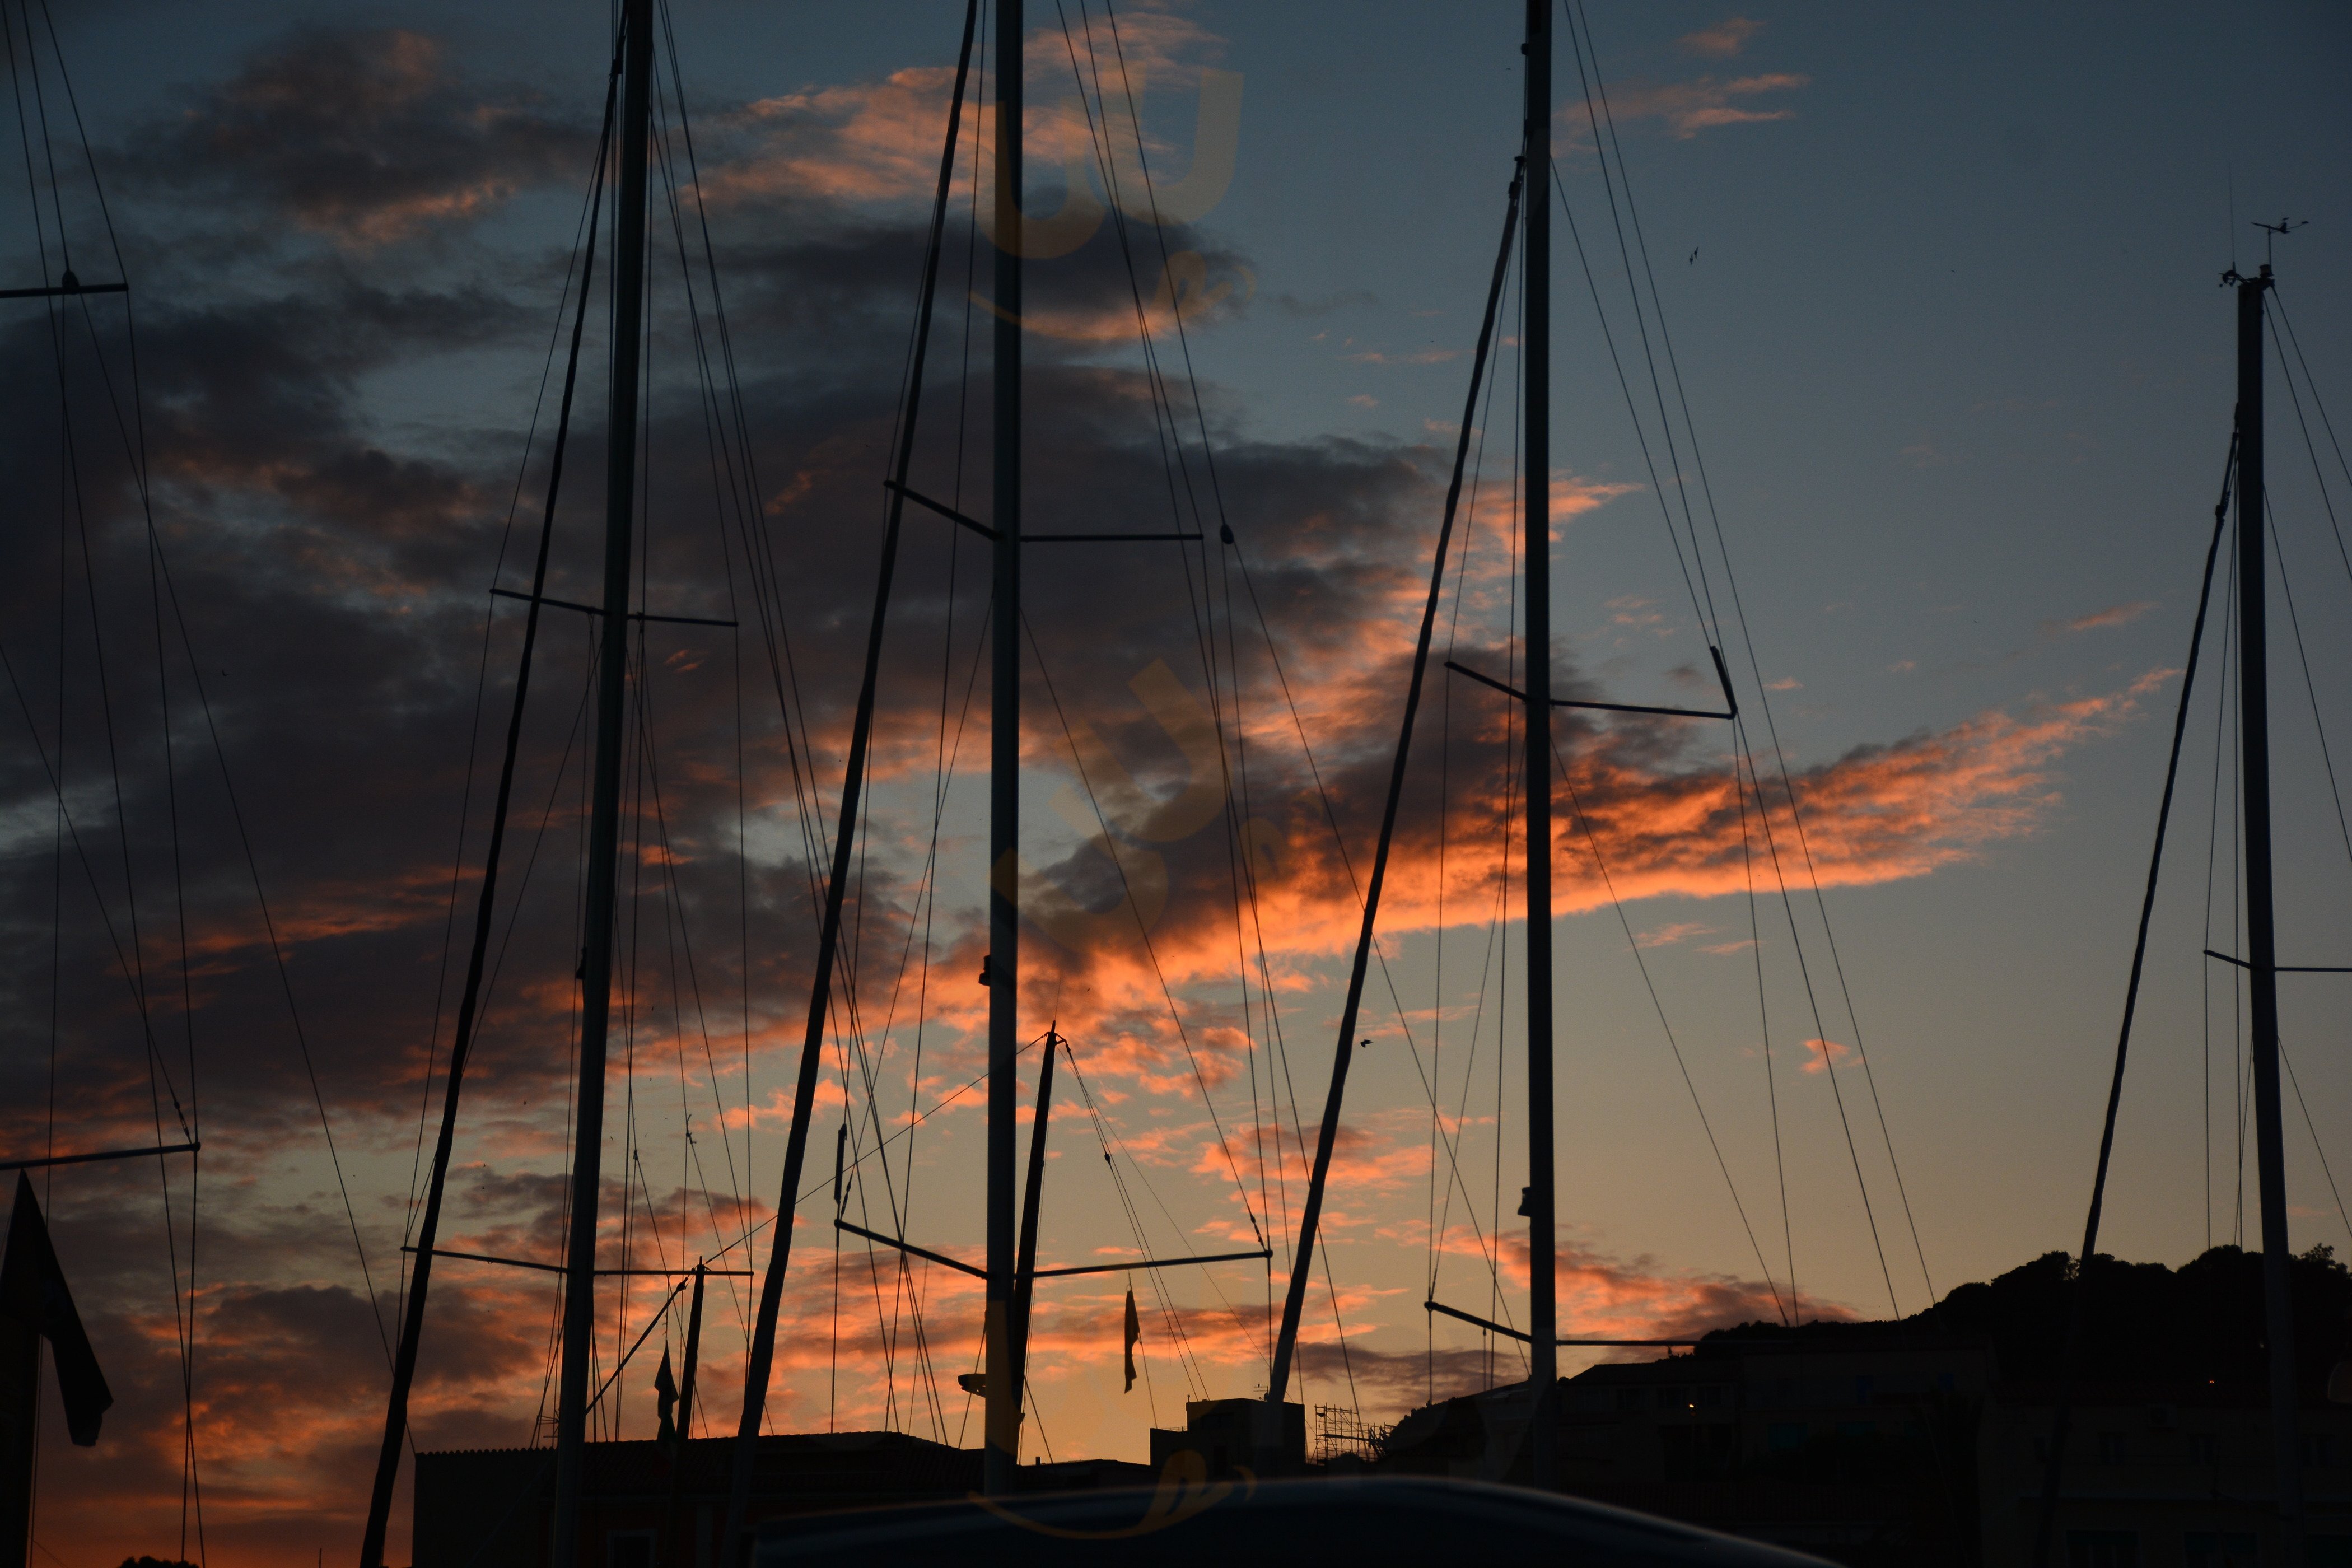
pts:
[758, 540]
[2075, 1303]
[942, 759]
[841, 1007]
[1702, 614]
[1514, 822]
[2242, 1061]
[1444, 1205]
[734, 491]
[134, 435]
[1143, 930]
[1187, 1360]
[1599, 90]
[946, 757]
[1167, 428]
[1641, 433]
[423, 1222]
[918, 919]
[185, 1308]
[1432, 1085]
[913, 1123]
[1592, 844]
[581, 229]
[1764, 1023]
[1172, 454]
[72, 489]
[2320, 478]
[2275, 311]
[2316, 1147]
[727, 487]
[2319, 725]
[1828, 1056]
[2223, 688]
[1173, 463]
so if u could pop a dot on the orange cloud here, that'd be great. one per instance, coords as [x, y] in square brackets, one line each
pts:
[2113, 615]
[1820, 1056]
[1663, 826]
[1881, 813]
[1159, 1041]
[1723, 40]
[863, 141]
[878, 142]
[1687, 108]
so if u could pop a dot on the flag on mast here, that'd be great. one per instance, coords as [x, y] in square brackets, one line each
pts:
[666, 1393]
[1134, 1332]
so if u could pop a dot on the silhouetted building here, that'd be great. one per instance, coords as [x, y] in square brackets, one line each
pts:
[490, 1507]
[2170, 1461]
[2160, 1476]
[1924, 1441]
[1917, 1443]
[1863, 1453]
[1229, 1433]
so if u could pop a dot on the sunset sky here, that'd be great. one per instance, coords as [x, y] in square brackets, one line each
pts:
[1940, 286]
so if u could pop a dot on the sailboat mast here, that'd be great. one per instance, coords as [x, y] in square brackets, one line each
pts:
[604, 811]
[2262, 944]
[760, 1357]
[670, 1555]
[1543, 1315]
[461, 1039]
[1294, 1300]
[1003, 1424]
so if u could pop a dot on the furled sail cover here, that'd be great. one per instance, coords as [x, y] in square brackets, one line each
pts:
[33, 1293]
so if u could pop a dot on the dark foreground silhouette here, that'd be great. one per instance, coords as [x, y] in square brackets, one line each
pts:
[1363, 1523]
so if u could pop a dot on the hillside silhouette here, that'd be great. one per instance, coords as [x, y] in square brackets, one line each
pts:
[2143, 1322]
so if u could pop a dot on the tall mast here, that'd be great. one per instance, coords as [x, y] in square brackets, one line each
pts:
[1302, 1256]
[604, 812]
[2261, 946]
[671, 1554]
[1003, 1424]
[760, 1359]
[1543, 1315]
[461, 1040]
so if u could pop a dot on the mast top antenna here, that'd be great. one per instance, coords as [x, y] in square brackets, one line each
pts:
[2272, 231]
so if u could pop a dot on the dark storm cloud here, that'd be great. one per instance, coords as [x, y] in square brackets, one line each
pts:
[276, 1370]
[334, 429]
[306, 557]
[1393, 1382]
[331, 560]
[365, 137]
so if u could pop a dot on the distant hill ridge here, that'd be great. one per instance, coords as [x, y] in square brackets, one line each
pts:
[2201, 1322]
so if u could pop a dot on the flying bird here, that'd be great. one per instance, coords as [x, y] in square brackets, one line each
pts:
[1694, 257]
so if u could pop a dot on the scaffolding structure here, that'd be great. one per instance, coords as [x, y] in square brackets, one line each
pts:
[1341, 1431]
